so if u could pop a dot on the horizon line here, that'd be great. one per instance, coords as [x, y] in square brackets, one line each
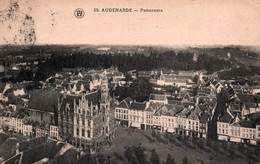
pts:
[143, 45]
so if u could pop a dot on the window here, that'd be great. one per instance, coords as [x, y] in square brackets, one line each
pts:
[77, 131]
[83, 132]
[83, 121]
[88, 133]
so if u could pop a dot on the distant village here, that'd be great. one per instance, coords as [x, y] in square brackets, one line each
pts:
[73, 112]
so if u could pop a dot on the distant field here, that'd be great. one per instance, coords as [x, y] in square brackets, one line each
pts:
[247, 61]
[129, 137]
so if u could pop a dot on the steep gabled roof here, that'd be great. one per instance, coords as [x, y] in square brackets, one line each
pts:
[173, 100]
[186, 97]
[187, 104]
[193, 115]
[153, 107]
[125, 103]
[86, 159]
[122, 104]
[14, 160]
[157, 97]
[247, 123]
[67, 158]
[226, 118]
[43, 100]
[184, 113]
[128, 100]
[3, 138]
[138, 106]
[204, 117]
[31, 143]
[178, 108]
[198, 109]
[246, 98]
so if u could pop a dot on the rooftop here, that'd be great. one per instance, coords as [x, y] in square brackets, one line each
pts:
[138, 106]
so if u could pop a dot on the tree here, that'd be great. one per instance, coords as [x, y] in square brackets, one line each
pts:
[153, 133]
[142, 89]
[154, 157]
[216, 147]
[166, 135]
[194, 140]
[208, 143]
[140, 154]
[211, 159]
[170, 160]
[128, 78]
[224, 145]
[241, 149]
[129, 154]
[232, 151]
[200, 144]
[185, 160]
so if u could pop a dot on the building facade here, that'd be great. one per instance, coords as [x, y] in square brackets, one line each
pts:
[84, 120]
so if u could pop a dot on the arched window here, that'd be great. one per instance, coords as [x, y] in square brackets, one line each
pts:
[77, 131]
[88, 133]
[83, 121]
[89, 123]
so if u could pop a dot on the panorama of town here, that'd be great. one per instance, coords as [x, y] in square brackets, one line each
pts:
[139, 105]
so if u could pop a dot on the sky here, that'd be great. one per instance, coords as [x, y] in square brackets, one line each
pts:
[182, 22]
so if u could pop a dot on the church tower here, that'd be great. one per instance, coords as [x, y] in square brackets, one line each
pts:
[105, 105]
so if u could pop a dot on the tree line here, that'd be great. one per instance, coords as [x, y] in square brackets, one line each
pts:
[127, 62]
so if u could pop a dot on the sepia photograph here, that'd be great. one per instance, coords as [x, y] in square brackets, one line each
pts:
[130, 82]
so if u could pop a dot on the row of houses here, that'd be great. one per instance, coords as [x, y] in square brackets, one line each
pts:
[185, 117]
[235, 128]
[21, 122]
[241, 120]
